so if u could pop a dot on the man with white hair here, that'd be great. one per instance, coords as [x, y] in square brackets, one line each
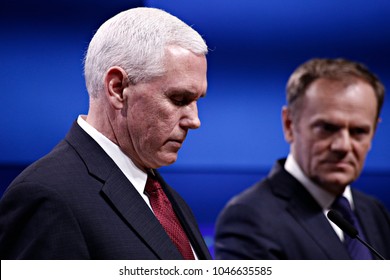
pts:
[97, 194]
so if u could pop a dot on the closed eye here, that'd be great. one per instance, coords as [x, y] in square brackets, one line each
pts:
[182, 99]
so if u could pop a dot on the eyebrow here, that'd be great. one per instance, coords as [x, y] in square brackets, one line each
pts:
[337, 124]
[187, 93]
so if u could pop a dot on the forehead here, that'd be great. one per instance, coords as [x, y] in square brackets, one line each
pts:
[185, 71]
[352, 99]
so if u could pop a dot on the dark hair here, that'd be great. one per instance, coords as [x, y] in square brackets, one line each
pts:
[338, 69]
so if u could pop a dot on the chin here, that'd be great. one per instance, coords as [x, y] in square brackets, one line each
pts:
[337, 181]
[169, 161]
[164, 158]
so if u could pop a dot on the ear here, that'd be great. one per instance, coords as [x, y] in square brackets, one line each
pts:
[115, 82]
[378, 121]
[287, 125]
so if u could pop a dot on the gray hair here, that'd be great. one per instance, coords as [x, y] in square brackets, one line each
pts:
[136, 40]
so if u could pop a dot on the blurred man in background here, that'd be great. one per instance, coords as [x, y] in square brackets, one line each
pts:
[332, 112]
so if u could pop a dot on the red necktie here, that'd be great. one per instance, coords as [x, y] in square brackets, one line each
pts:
[163, 210]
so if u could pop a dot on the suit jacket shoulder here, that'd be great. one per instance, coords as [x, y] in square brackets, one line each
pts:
[75, 203]
[375, 221]
[278, 219]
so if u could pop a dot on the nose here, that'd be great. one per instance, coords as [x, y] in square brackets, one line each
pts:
[342, 141]
[190, 119]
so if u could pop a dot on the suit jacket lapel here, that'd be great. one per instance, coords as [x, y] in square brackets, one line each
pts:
[306, 212]
[122, 195]
[312, 219]
[134, 210]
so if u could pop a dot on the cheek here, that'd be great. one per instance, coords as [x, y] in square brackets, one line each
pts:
[313, 153]
[320, 147]
[361, 151]
[155, 129]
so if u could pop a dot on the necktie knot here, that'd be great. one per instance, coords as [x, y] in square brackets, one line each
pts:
[342, 205]
[152, 185]
[342, 201]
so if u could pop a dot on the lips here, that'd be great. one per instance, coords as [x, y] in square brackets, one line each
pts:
[178, 139]
[339, 164]
[175, 143]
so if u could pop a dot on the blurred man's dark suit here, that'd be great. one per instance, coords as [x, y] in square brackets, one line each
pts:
[300, 230]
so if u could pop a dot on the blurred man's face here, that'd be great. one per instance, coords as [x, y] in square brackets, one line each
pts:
[160, 112]
[332, 134]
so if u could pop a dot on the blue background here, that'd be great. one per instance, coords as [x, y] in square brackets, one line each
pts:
[254, 47]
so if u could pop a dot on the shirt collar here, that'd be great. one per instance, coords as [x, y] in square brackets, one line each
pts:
[136, 176]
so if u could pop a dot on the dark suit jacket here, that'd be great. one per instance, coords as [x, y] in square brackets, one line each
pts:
[75, 203]
[278, 219]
